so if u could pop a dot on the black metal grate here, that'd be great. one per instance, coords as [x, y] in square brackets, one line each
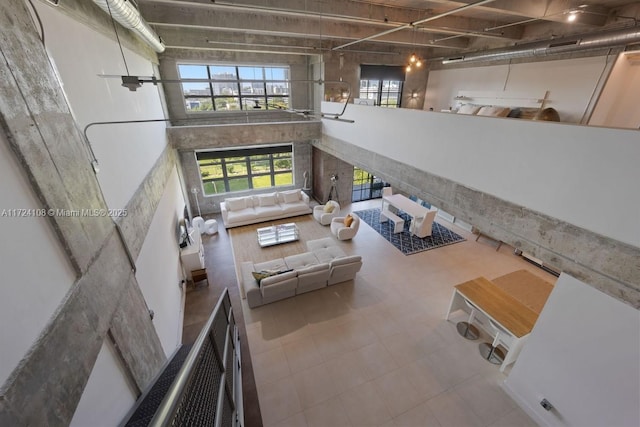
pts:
[151, 401]
[219, 330]
[227, 412]
[198, 404]
[191, 395]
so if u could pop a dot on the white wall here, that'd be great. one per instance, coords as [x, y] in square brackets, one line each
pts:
[125, 152]
[36, 273]
[158, 267]
[618, 102]
[583, 356]
[570, 82]
[559, 169]
[107, 396]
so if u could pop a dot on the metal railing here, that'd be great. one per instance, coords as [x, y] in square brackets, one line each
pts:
[207, 390]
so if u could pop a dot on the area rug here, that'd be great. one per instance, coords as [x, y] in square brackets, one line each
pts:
[406, 242]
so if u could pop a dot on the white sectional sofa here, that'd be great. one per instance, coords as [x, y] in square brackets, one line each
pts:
[325, 264]
[245, 210]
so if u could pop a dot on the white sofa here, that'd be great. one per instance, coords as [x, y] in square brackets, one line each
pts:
[325, 264]
[245, 210]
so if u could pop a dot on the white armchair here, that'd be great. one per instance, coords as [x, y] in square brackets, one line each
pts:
[325, 213]
[343, 231]
[421, 227]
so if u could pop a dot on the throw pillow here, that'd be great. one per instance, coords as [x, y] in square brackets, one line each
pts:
[348, 220]
[236, 204]
[328, 208]
[468, 109]
[267, 199]
[290, 197]
[259, 275]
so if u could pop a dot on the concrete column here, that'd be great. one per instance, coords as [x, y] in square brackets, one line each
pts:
[324, 167]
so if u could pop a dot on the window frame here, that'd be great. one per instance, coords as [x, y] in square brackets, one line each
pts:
[381, 91]
[243, 156]
[246, 101]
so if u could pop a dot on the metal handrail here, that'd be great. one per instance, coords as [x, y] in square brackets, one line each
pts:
[169, 405]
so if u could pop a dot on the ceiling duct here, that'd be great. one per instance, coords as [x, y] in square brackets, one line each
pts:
[129, 17]
[556, 46]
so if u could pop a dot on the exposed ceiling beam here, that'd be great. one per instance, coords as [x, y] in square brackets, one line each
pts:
[162, 12]
[430, 27]
[414, 24]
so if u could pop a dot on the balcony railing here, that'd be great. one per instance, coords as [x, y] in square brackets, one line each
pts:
[207, 390]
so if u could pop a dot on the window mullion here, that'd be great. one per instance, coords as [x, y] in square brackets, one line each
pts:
[239, 86]
[225, 177]
[272, 170]
[266, 97]
[213, 101]
[247, 161]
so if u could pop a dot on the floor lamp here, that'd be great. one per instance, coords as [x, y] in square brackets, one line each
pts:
[195, 192]
[333, 192]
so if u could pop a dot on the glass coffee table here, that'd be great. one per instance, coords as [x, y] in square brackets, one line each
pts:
[278, 234]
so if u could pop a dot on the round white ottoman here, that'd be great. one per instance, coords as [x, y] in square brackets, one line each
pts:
[198, 224]
[211, 226]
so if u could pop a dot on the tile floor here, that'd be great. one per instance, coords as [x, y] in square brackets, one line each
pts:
[377, 351]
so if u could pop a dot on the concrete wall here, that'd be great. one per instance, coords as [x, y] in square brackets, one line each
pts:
[169, 60]
[341, 66]
[324, 166]
[188, 139]
[453, 164]
[82, 294]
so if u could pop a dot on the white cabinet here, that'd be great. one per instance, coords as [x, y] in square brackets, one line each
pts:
[192, 256]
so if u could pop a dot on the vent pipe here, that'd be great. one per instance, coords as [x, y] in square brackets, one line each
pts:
[129, 17]
[552, 47]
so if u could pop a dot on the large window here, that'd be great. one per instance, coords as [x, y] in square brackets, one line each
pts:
[233, 87]
[385, 93]
[237, 170]
[382, 84]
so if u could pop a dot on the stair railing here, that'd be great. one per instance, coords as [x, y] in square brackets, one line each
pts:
[207, 389]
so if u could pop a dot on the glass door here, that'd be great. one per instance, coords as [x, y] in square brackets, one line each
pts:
[365, 186]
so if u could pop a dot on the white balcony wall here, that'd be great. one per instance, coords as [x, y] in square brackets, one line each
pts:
[582, 356]
[584, 175]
